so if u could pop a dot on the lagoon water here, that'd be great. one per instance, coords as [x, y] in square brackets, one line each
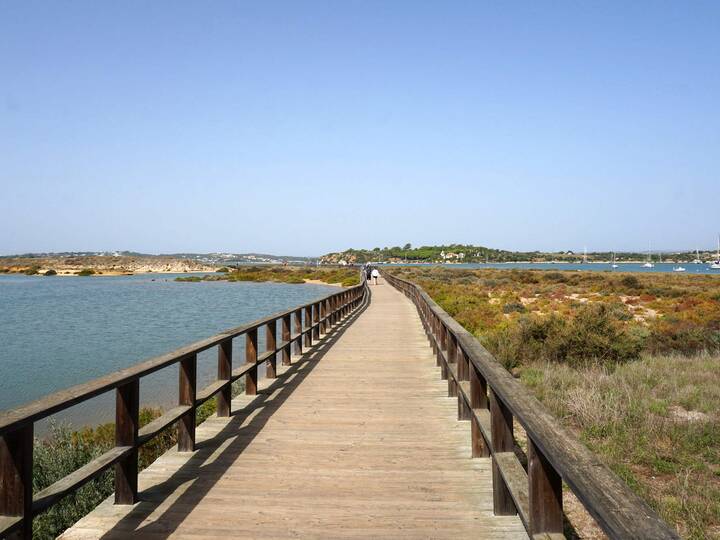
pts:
[56, 332]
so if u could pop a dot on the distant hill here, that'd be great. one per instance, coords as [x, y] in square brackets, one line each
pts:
[203, 258]
[466, 253]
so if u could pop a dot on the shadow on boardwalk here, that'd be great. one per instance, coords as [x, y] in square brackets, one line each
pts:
[195, 478]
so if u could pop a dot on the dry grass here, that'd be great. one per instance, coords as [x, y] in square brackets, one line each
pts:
[635, 418]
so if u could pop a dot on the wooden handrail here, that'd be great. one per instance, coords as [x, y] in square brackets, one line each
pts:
[18, 506]
[490, 397]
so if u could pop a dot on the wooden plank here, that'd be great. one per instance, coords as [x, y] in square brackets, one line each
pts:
[150, 430]
[9, 524]
[50, 495]
[516, 480]
[241, 370]
[215, 387]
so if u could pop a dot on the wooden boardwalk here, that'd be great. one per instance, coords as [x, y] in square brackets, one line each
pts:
[356, 439]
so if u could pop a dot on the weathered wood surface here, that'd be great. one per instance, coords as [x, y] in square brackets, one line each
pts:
[357, 438]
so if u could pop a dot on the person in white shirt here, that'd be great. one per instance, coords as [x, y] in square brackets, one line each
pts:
[375, 275]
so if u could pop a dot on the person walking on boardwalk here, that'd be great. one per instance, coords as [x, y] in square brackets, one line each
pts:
[368, 272]
[375, 275]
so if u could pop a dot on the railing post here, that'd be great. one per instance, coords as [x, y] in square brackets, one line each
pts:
[186, 424]
[451, 359]
[463, 406]
[316, 320]
[286, 339]
[224, 372]
[251, 379]
[16, 463]
[271, 345]
[308, 324]
[298, 331]
[127, 409]
[501, 428]
[478, 400]
[442, 350]
[544, 494]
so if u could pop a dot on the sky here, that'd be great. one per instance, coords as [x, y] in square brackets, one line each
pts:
[305, 127]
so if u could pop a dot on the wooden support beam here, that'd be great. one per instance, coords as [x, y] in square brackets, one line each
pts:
[270, 345]
[298, 331]
[186, 424]
[544, 494]
[308, 323]
[452, 364]
[16, 462]
[251, 379]
[127, 410]
[316, 321]
[501, 427]
[286, 335]
[224, 372]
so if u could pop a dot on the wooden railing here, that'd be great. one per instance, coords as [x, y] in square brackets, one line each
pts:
[490, 398]
[18, 504]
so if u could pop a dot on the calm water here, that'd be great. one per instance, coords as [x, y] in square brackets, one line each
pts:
[595, 267]
[56, 332]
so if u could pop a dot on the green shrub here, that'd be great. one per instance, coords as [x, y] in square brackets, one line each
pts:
[223, 270]
[86, 272]
[33, 270]
[630, 282]
[514, 307]
[593, 335]
[51, 272]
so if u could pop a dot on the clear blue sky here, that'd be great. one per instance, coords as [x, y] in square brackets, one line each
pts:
[305, 127]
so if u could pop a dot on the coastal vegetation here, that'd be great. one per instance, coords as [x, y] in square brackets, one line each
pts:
[64, 451]
[345, 277]
[86, 272]
[466, 253]
[631, 363]
[50, 272]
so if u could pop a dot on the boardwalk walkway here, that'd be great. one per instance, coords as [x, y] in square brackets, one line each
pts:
[356, 439]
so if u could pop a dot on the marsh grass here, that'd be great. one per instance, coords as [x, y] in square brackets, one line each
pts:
[654, 422]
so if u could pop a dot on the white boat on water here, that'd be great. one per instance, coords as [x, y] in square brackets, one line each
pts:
[716, 263]
[678, 269]
[649, 263]
[697, 258]
[614, 264]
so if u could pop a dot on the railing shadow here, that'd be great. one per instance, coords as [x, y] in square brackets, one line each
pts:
[206, 466]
